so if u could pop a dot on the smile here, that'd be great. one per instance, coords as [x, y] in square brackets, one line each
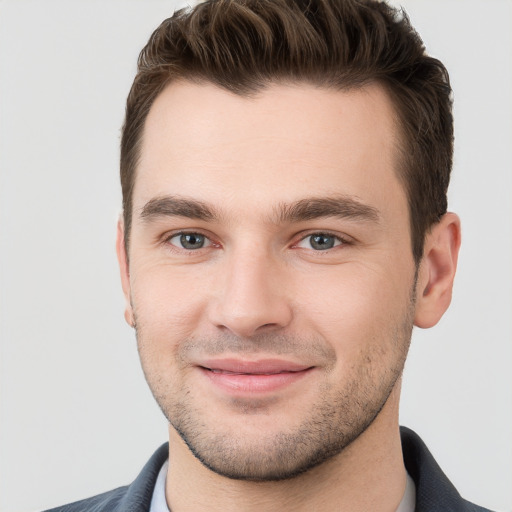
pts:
[226, 372]
[249, 377]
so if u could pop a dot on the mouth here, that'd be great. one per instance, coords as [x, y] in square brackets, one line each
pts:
[248, 377]
[227, 372]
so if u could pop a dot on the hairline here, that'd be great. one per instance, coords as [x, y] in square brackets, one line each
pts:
[402, 143]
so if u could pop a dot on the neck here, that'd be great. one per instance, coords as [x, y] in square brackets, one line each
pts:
[368, 475]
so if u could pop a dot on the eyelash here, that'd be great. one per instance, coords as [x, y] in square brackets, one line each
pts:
[342, 241]
[339, 241]
[167, 241]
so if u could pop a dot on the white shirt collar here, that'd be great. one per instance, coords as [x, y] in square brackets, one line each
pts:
[159, 503]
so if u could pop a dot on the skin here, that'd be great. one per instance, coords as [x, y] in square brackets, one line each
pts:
[254, 179]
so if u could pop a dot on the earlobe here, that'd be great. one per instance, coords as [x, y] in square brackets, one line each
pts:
[122, 258]
[437, 271]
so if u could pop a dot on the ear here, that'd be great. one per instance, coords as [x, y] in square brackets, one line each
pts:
[437, 271]
[122, 258]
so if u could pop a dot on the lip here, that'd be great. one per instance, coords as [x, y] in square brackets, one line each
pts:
[247, 377]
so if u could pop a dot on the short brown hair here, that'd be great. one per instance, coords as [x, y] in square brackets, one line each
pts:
[245, 45]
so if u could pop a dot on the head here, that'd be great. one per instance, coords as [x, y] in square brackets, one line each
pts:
[244, 46]
[284, 170]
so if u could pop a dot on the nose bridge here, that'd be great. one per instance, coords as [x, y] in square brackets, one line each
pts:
[251, 296]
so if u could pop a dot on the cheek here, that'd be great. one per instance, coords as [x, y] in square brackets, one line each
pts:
[357, 307]
[168, 301]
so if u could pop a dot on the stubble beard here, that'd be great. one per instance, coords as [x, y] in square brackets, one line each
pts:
[333, 423]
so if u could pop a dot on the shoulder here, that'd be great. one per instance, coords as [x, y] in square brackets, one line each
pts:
[434, 491]
[105, 502]
[135, 497]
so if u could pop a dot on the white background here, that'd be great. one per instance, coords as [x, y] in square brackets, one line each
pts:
[76, 416]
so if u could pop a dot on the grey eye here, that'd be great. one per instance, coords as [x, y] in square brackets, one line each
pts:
[189, 241]
[319, 242]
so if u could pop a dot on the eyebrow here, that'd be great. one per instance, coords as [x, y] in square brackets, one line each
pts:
[173, 206]
[340, 206]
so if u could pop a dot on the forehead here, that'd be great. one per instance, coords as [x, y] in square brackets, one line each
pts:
[285, 142]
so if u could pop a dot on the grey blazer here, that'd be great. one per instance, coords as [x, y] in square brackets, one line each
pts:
[434, 492]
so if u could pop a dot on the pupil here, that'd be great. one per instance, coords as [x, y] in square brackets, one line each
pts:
[192, 241]
[322, 242]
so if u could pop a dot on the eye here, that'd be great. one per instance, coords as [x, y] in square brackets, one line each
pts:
[320, 241]
[189, 241]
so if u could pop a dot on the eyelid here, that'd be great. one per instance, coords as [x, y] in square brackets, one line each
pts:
[167, 237]
[342, 239]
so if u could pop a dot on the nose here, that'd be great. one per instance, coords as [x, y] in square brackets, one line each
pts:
[251, 295]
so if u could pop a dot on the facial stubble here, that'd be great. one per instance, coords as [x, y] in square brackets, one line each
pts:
[334, 421]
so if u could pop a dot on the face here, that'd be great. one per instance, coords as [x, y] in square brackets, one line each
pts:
[270, 277]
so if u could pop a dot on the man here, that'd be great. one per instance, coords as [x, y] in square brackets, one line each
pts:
[284, 167]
